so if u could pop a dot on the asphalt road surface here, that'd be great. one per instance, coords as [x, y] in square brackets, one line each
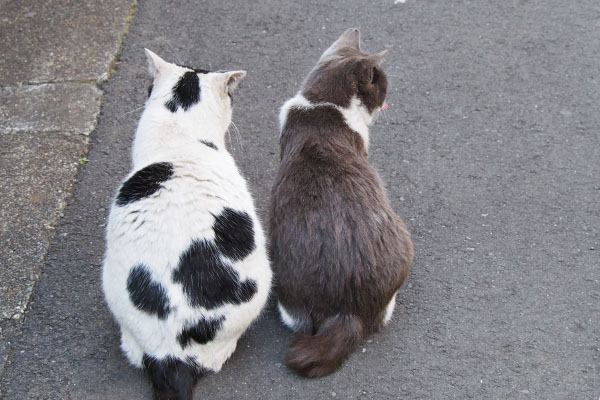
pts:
[491, 153]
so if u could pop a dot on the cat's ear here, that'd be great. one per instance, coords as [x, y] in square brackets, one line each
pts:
[366, 73]
[350, 38]
[232, 80]
[155, 63]
[368, 66]
[377, 59]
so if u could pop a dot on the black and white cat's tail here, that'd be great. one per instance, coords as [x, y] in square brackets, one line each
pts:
[172, 379]
[323, 353]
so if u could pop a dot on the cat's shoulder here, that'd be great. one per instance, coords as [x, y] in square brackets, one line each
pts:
[144, 182]
[300, 111]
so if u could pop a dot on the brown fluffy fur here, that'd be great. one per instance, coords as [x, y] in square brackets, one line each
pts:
[339, 251]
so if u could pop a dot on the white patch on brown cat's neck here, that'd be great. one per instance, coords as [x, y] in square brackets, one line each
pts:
[298, 101]
[356, 116]
[358, 119]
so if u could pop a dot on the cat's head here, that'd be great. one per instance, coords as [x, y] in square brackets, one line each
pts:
[345, 73]
[191, 95]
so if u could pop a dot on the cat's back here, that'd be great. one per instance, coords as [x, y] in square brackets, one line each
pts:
[331, 223]
[160, 207]
[324, 165]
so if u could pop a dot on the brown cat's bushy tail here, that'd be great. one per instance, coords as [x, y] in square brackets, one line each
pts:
[324, 352]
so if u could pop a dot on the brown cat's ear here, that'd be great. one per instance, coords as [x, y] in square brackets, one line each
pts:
[369, 65]
[367, 72]
[350, 38]
[378, 58]
[155, 63]
[232, 80]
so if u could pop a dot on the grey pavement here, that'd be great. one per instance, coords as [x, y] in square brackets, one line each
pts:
[54, 55]
[491, 153]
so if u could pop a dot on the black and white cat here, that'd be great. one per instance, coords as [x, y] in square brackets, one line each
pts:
[339, 252]
[186, 270]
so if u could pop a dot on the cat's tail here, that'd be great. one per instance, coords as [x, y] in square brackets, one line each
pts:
[172, 379]
[323, 353]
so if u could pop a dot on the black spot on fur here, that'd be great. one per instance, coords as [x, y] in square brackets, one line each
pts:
[207, 280]
[202, 332]
[171, 378]
[196, 70]
[186, 92]
[171, 105]
[209, 144]
[144, 183]
[150, 89]
[234, 234]
[146, 294]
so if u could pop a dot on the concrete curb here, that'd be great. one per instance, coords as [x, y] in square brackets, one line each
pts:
[55, 56]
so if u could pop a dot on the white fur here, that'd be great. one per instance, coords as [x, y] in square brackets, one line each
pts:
[156, 230]
[389, 310]
[287, 319]
[358, 119]
[298, 101]
[356, 116]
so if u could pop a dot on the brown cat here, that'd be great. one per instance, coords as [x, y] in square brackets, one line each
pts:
[339, 251]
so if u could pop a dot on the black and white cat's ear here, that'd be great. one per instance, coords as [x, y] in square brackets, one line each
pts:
[155, 63]
[232, 80]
